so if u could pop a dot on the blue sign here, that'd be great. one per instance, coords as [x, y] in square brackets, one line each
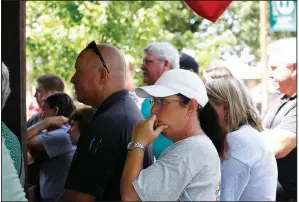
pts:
[282, 16]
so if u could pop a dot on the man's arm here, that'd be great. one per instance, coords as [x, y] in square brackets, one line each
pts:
[281, 141]
[133, 167]
[282, 138]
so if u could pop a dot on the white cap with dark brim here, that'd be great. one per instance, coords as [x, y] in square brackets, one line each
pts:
[176, 81]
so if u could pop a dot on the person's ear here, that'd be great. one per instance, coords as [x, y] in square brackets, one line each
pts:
[294, 70]
[103, 75]
[55, 111]
[225, 106]
[166, 65]
[193, 105]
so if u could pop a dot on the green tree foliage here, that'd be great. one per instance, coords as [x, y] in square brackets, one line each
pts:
[56, 31]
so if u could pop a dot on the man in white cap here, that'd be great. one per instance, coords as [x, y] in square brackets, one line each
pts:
[190, 168]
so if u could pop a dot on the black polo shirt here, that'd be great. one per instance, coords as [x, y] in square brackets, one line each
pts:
[101, 151]
[283, 114]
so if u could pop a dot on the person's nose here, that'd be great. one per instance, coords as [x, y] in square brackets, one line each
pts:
[143, 66]
[155, 109]
[73, 79]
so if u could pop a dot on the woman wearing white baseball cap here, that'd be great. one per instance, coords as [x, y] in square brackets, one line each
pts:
[189, 170]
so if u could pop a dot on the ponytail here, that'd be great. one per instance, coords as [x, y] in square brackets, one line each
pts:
[210, 124]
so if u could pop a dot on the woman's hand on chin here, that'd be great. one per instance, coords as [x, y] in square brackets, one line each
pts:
[144, 131]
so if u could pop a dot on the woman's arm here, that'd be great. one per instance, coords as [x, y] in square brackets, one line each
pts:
[37, 128]
[143, 133]
[132, 168]
[33, 131]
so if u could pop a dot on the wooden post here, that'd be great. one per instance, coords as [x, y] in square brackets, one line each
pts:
[263, 47]
[13, 55]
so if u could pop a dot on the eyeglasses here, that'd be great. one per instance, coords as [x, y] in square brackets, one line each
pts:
[161, 101]
[92, 45]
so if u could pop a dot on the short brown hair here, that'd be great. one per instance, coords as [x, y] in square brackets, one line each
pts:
[51, 82]
[83, 117]
[63, 101]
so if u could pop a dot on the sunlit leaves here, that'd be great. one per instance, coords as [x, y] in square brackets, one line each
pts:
[56, 31]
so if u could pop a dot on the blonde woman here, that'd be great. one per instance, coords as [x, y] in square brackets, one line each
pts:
[249, 171]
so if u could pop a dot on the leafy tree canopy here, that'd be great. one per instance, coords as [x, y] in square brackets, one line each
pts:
[56, 31]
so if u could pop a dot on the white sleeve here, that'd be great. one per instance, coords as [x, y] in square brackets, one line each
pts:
[164, 180]
[234, 178]
[12, 189]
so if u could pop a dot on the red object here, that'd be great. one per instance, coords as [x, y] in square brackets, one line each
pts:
[210, 10]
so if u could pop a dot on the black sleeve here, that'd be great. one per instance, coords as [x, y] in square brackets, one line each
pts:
[93, 166]
[148, 156]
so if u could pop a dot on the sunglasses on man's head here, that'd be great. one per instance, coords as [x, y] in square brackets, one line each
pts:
[92, 45]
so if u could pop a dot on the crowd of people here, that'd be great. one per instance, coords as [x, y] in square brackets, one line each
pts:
[181, 137]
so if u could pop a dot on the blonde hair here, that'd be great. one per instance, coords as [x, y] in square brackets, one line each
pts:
[130, 72]
[130, 63]
[242, 109]
[219, 72]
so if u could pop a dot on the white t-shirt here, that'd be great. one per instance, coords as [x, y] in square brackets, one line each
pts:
[250, 171]
[189, 170]
[12, 189]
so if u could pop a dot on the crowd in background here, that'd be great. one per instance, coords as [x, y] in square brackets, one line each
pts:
[181, 137]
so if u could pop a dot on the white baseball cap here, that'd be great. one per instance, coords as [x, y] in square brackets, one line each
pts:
[176, 81]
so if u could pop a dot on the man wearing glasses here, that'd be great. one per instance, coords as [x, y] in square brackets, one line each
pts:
[97, 165]
[159, 57]
[280, 118]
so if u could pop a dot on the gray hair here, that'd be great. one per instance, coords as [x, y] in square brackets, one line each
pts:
[282, 51]
[164, 51]
[5, 89]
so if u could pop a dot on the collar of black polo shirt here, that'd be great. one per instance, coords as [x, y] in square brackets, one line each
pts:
[285, 98]
[111, 100]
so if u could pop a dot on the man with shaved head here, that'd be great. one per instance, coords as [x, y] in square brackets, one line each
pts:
[97, 165]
